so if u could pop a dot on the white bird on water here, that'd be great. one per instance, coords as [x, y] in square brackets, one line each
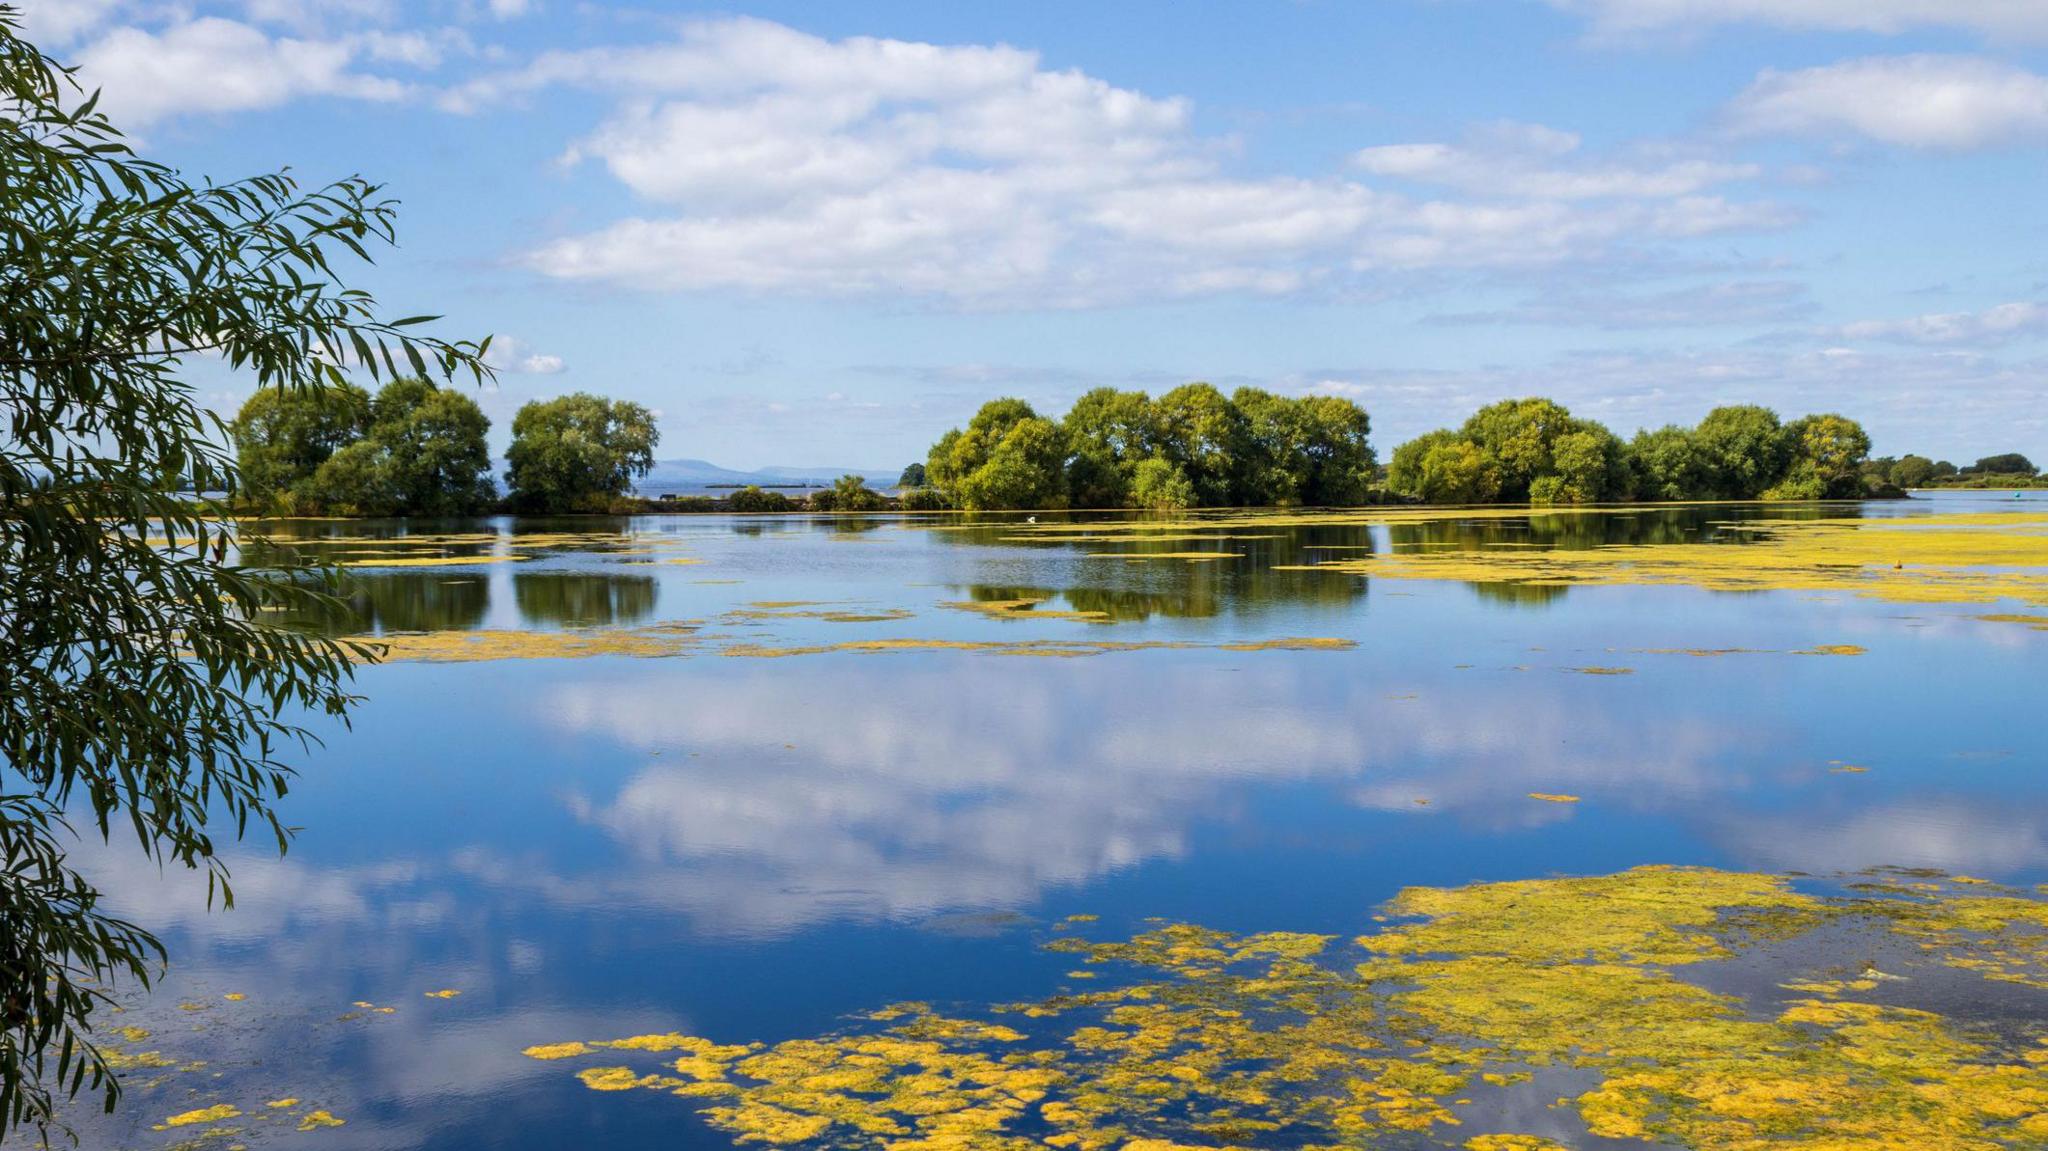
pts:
[1030, 519]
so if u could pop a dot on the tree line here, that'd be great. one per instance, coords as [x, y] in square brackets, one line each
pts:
[1196, 447]
[414, 449]
[1191, 447]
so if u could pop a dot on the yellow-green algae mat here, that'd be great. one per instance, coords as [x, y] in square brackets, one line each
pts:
[1954, 558]
[1305, 1041]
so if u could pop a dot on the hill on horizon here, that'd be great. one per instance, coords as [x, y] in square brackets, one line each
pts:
[695, 475]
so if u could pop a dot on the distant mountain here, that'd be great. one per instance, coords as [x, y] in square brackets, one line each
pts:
[697, 475]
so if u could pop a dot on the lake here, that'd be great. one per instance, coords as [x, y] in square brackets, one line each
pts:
[750, 780]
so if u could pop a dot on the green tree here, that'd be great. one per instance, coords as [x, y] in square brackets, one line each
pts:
[1669, 465]
[2007, 464]
[1442, 467]
[751, 499]
[578, 452]
[283, 435]
[1108, 434]
[1307, 450]
[1520, 438]
[1529, 449]
[1026, 470]
[1334, 440]
[437, 441]
[1159, 486]
[1007, 457]
[425, 453]
[1587, 466]
[359, 480]
[1202, 433]
[912, 477]
[148, 688]
[923, 500]
[848, 494]
[1912, 471]
[1745, 451]
[1827, 461]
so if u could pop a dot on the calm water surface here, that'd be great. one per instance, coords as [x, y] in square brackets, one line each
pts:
[752, 849]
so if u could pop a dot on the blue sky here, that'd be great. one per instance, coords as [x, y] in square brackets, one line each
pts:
[823, 233]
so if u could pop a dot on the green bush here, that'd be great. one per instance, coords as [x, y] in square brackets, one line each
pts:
[752, 499]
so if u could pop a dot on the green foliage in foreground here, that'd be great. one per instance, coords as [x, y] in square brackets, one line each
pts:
[578, 453]
[147, 691]
[1193, 446]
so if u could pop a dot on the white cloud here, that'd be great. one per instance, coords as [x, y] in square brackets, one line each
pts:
[1736, 302]
[1530, 160]
[1066, 775]
[512, 355]
[2025, 19]
[1944, 102]
[213, 65]
[1934, 401]
[777, 161]
[50, 25]
[1999, 325]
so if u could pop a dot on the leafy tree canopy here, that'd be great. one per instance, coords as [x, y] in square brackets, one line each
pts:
[149, 690]
[1744, 449]
[1252, 447]
[2006, 464]
[1008, 457]
[849, 494]
[282, 436]
[1159, 486]
[578, 452]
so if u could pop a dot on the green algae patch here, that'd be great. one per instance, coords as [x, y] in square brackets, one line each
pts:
[1046, 648]
[1511, 1143]
[1553, 797]
[427, 561]
[1833, 649]
[2037, 622]
[1943, 558]
[871, 615]
[1602, 670]
[315, 1120]
[1292, 643]
[492, 644]
[1204, 1039]
[1188, 557]
[212, 1114]
[1031, 607]
[556, 1050]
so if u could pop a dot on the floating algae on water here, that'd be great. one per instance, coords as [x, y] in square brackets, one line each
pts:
[1494, 992]
[1944, 558]
[1049, 648]
[2037, 622]
[486, 644]
[1026, 607]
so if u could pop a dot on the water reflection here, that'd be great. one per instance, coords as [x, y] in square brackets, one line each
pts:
[583, 599]
[763, 816]
[1113, 568]
[757, 848]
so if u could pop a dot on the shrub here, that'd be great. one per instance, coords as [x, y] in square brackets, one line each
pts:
[753, 499]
